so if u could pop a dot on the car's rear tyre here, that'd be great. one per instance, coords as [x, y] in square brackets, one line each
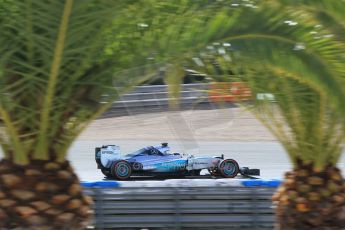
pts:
[228, 168]
[121, 170]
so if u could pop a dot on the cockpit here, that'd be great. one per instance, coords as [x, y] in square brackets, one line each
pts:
[161, 150]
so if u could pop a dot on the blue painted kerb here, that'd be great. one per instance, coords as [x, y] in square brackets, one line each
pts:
[100, 184]
[261, 183]
[245, 183]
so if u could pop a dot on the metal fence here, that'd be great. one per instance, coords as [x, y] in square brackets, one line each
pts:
[154, 98]
[183, 207]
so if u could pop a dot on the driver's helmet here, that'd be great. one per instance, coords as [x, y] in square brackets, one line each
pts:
[165, 150]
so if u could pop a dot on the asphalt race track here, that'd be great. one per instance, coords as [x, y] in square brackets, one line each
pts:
[198, 132]
[268, 156]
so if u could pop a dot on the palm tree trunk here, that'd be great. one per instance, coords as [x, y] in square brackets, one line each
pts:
[311, 200]
[42, 195]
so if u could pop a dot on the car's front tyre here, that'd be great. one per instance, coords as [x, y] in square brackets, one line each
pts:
[121, 170]
[228, 168]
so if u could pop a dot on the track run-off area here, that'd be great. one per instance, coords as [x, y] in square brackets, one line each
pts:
[232, 132]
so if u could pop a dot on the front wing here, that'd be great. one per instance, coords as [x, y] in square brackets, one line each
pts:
[249, 172]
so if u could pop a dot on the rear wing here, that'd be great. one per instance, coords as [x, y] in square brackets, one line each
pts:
[105, 154]
[98, 157]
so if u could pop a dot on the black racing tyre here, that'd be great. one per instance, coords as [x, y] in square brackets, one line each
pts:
[228, 168]
[121, 170]
[106, 172]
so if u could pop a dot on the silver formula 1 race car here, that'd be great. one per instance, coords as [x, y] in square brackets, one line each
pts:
[158, 161]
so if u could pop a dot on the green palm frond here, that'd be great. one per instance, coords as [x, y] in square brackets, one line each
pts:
[333, 8]
[51, 74]
[58, 70]
[301, 116]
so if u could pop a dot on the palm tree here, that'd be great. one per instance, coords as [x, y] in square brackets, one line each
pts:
[304, 72]
[312, 132]
[52, 78]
